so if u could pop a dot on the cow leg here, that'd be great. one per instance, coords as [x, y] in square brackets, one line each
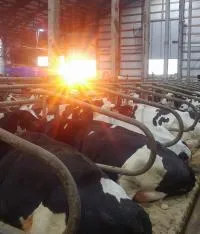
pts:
[27, 223]
[149, 196]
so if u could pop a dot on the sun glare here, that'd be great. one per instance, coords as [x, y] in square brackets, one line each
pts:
[77, 69]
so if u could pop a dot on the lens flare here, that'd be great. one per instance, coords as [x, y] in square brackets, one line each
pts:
[77, 69]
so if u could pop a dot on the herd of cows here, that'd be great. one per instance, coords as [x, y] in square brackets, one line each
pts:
[32, 198]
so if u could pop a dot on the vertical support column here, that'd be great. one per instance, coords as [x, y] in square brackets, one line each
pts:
[166, 45]
[180, 37]
[2, 62]
[189, 39]
[115, 38]
[53, 31]
[146, 36]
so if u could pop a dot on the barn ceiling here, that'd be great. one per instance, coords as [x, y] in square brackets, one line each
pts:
[20, 19]
[18, 16]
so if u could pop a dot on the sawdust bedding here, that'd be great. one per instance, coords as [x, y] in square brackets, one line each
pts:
[170, 215]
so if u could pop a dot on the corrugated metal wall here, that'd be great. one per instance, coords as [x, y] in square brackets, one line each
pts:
[157, 30]
[194, 61]
[130, 42]
[131, 48]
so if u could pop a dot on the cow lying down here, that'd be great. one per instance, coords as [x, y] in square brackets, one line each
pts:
[154, 117]
[144, 114]
[114, 145]
[32, 198]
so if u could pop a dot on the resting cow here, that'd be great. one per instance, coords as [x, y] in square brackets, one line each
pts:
[112, 145]
[33, 199]
[145, 114]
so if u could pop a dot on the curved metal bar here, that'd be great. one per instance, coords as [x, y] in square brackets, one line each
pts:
[18, 103]
[197, 116]
[23, 79]
[118, 170]
[139, 100]
[59, 169]
[191, 89]
[175, 87]
[170, 91]
[25, 86]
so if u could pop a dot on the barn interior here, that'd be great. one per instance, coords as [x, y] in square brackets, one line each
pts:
[142, 55]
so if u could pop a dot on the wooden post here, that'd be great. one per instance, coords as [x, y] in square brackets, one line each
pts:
[2, 62]
[53, 32]
[146, 41]
[115, 38]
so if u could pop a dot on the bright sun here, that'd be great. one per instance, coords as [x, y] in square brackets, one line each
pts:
[77, 69]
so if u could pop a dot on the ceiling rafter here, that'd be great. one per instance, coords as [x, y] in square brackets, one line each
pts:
[17, 15]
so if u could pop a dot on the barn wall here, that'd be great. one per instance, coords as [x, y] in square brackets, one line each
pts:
[131, 46]
[157, 34]
[130, 42]
[195, 40]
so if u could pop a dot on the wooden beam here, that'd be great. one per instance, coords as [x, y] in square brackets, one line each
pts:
[2, 62]
[115, 38]
[53, 30]
[146, 36]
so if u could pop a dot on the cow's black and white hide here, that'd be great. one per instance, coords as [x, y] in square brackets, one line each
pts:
[32, 197]
[168, 121]
[79, 131]
[120, 147]
[116, 146]
[153, 119]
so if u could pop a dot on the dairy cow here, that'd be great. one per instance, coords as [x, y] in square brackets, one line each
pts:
[39, 204]
[113, 145]
[151, 117]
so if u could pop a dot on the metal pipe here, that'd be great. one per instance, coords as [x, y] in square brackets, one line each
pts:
[180, 37]
[171, 91]
[25, 86]
[59, 169]
[189, 39]
[190, 88]
[18, 103]
[151, 140]
[139, 100]
[184, 90]
[197, 116]
[26, 79]
[166, 46]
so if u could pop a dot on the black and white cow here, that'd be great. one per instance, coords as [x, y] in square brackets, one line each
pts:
[113, 145]
[32, 198]
[151, 117]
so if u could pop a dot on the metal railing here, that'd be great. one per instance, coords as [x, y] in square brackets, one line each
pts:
[151, 141]
[197, 115]
[64, 175]
[142, 101]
